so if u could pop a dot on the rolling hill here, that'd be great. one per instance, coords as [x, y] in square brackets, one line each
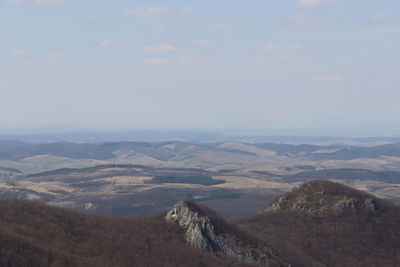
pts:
[320, 223]
[233, 177]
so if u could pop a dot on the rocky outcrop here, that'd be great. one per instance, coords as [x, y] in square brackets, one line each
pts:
[346, 205]
[372, 205]
[322, 197]
[204, 231]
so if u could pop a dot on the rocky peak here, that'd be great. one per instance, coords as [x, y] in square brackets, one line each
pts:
[325, 197]
[200, 232]
[205, 230]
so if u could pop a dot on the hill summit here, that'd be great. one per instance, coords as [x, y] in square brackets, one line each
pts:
[321, 197]
[323, 223]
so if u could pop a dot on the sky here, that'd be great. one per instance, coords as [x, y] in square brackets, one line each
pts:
[319, 66]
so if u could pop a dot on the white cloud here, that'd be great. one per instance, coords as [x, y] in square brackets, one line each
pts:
[202, 43]
[39, 2]
[17, 52]
[150, 12]
[270, 47]
[160, 48]
[109, 43]
[318, 3]
[281, 58]
[329, 78]
[156, 61]
[311, 3]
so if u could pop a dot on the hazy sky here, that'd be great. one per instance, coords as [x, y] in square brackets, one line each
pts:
[308, 64]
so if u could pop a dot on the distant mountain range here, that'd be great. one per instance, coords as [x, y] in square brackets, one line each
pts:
[320, 223]
[130, 178]
[17, 150]
[192, 136]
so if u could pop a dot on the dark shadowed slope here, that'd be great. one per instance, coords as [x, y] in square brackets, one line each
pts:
[328, 224]
[320, 223]
[36, 235]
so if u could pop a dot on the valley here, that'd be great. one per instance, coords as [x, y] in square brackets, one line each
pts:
[234, 178]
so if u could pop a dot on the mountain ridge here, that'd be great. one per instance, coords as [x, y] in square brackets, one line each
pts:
[34, 234]
[206, 230]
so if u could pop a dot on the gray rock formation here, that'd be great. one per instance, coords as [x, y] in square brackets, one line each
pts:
[300, 206]
[372, 205]
[346, 205]
[202, 232]
[322, 197]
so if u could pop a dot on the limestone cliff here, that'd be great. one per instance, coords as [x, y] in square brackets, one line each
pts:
[203, 230]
